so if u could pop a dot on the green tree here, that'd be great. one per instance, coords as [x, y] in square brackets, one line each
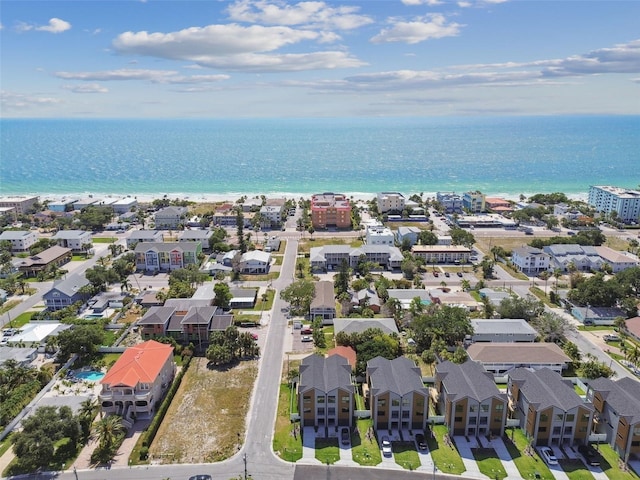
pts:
[242, 243]
[343, 278]
[83, 340]
[109, 430]
[460, 236]
[527, 308]
[299, 294]
[222, 295]
[592, 368]
[427, 237]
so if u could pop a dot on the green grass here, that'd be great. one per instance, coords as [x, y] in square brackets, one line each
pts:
[575, 469]
[110, 358]
[365, 451]
[286, 444]
[446, 457]
[104, 239]
[5, 444]
[260, 305]
[489, 463]
[405, 455]
[609, 463]
[526, 464]
[327, 450]
[6, 306]
[21, 320]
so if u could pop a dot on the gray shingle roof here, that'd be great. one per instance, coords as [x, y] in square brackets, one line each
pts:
[157, 316]
[468, 380]
[400, 376]
[352, 325]
[623, 396]
[325, 374]
[166, 246]
[15, 234]
[324, 296]
[199, 315]
[70, 285]
[545, 388]
[502, 325]
[541, 353]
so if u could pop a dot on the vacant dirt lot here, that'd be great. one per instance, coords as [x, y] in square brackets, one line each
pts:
[206, 419]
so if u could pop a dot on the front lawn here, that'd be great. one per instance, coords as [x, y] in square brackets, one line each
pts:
[327, 450]
[575, 469]
[610, 464]
[405, 455]
[104, 239]
[489, 463]
[444, 454]
[364, 446]
[20, 321]
[287, 439]
[526, 459]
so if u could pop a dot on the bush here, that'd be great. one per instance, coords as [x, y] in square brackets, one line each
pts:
[144, 453]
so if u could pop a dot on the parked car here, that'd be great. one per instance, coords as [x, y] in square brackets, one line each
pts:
[386, 446]
[459, 274]
[200, 477]
[591, 456]
[548, 456]
[611, 337]
[436, 274]
[420, 441]
[447, 274]
[345, 437]
[306, 338]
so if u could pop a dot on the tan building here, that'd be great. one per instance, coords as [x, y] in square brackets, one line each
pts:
[442, 253]
[469, 399]
[500, 358]
[549, 409]
[52, 256]
[20, 204]
[398, 399]
[330, 210]
[325, 392]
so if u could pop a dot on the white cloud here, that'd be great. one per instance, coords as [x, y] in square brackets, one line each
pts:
[86, 88]
[19, 101]
[431, 3]
[432, 26]
[55, 25]
[621, 58]
[154, 76]
[311, 14]
[235, 47]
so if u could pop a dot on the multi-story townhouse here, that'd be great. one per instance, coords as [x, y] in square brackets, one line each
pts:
[330, 210]
[625, 202]
[469, 399]
[325, 392]
[169, 218]
[351, 325]
[201, 236]
[408, 234]
[323, 304]
[617, 407]
[530, 260]
[442, 253]
[330, 257]
[390, 202]
[451, 202]
[20, 240]
[377, 235]
[76, 240]
[397, 397]
[138, 381]
[549, 409]
[146, 236]
[20, 205]
[502, 330]
[566, 256]
[474, 201]
[166, 256]
[618, 261]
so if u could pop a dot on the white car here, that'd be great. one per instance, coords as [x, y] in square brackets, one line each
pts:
[386, 446]
[548, 456]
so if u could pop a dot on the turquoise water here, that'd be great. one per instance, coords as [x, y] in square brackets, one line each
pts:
[497, 155]
[92, 376]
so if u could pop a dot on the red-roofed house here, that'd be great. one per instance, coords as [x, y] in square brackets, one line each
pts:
[138, 381]
[346, 352]
[632, 326]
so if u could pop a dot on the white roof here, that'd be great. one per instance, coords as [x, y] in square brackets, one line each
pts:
[37, 332]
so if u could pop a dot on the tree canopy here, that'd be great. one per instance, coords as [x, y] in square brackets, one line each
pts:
[370, 344]
[300, 295]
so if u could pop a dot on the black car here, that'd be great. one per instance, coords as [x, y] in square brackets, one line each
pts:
[591, 456]
[420, 441]
[200, 477]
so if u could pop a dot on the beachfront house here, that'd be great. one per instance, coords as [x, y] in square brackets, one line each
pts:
[169, 218]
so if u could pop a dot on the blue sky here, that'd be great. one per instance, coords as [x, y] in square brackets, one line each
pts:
[272, 58]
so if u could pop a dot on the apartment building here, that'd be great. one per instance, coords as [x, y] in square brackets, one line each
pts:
[377, 235]
[442, 253]
[20, 240]
[390, 202]
[76, 240]
[474, 202]
[625, 202]
[330, 257]
[166, 256]
[451, 202]
[330, 210]
[530, 260]
[20, 204]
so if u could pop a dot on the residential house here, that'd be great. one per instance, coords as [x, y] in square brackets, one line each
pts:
[498, 205]
[454, 298]
[201, 236]
[530, 260]
[623, 201]
[62, 205]
[390, 202]
[170, 218]
[51, 257]
[347, 352]
[137, 382]
[549, 409]
[272, 245]
[85, 202]
[469, 399]
[617, 413]
[20, 240]
[243, 297]
[65, 292]
[494, 296]
[36, 334]
[323, 304]
[366, 298]
[166, 256]
[143, 236]
[102, 301]
[358, 325]
[408, 234]
[590, 315]
[442, 253]
[186, 320]
[330, 210]
[618, 261]
[406, 296]
[76, 240]
[398, 399]
[20, 204]
[124, 205]
[504, 330]
[255, 262]
[501, 358]
[474, 202]
[568, 256]
[632, 327]
[19, 356]
[330, 257]
[271, 215]
[326, 394]
[450, 201]
[379, 236]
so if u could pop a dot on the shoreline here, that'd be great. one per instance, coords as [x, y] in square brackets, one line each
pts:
[234, 196]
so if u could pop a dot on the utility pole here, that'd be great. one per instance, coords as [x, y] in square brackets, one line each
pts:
[244, 458]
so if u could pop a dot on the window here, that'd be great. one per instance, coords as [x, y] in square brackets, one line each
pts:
[420, 403]
[559, 416]
[499, 407]
[395, 402]
[556, 430]
[394, 414]
[321, 411]
[382, 413]
[544, 417]
[542, 429]
[307, 410]
[568, 430]
[635, 444]
[346, 399]
[585, 417]
[582, 429]
[419, 413]
[405, 414]
[473, 420]
[320, 400]
[331, 399]
[457, 419]
[331, 411]
[473, 408]
[484, 408]
[345, 409]
[570, 417]
[636, 431]
[382, 402]
[483, 420]
[458, 407]
[405, 402]
[497, 420]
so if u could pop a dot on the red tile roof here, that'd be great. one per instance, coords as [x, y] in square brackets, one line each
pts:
[139, 364]
[346, 352]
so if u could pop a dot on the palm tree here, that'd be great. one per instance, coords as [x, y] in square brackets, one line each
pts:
[545, 275]
[88, 408]
[125, 285]
[557, 273]
[108, 429]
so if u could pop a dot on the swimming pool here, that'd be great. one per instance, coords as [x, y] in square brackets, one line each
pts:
[92, 316]
[90, 375]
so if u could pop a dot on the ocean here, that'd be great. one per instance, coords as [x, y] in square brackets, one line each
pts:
[496, 155]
